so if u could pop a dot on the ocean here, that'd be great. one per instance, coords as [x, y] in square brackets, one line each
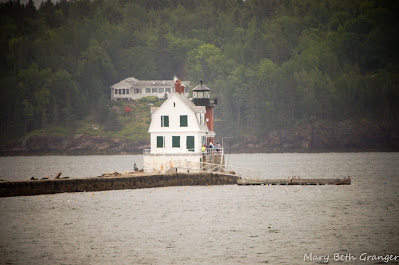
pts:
[350, 224]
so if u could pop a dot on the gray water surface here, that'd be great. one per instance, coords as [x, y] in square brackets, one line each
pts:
[207, 225]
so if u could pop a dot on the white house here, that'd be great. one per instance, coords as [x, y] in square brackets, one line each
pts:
[132, 88]
[179, 128]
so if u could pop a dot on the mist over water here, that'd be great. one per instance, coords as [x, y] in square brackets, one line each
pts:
[206, 225]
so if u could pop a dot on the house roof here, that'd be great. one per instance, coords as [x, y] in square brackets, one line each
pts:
[190, 104]
[153, 109]
[134, 82]
[185, 100]
[193, 107]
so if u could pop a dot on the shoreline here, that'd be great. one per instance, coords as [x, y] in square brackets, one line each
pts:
[242, 151]
[316, 137]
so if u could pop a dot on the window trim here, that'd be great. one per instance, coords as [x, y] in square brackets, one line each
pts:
[183, 123]
[175, 141]
[165, 121]
[162, 138]
[192, 149]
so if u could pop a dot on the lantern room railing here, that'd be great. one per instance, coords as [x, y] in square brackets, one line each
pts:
[207, 152]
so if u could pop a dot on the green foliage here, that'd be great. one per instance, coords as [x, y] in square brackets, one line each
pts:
[270, 63]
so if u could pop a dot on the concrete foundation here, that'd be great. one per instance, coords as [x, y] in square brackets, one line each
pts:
[160, 163]
[134, 181]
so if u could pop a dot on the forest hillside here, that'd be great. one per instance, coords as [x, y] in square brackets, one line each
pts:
[272, 64]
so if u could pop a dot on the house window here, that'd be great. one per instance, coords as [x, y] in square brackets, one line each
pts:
[161, 90]
[164, 121]
[123, 91]
[154, 90]
[137, 91]
[183, 121]
[148, 90]
[160, 141]
[116, 91]
[127, 91]
[168, 90]
[186, 90]
[190, 143]
[175, 141]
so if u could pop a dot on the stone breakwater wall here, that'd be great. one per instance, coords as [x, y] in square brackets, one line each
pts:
[134, 181]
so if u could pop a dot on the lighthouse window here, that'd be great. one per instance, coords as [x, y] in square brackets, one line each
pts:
[183, 121]
[164, 121]
[160, 141]
[175, 141]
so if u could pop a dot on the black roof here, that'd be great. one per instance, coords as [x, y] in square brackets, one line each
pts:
[201, 87]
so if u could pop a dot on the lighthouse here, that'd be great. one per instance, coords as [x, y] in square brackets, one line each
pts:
[179, 129]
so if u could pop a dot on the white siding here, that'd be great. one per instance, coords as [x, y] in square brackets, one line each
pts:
[168, 149]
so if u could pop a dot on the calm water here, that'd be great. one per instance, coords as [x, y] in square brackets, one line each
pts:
[206, 225]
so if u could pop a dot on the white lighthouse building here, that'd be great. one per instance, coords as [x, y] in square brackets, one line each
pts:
[179, 129]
